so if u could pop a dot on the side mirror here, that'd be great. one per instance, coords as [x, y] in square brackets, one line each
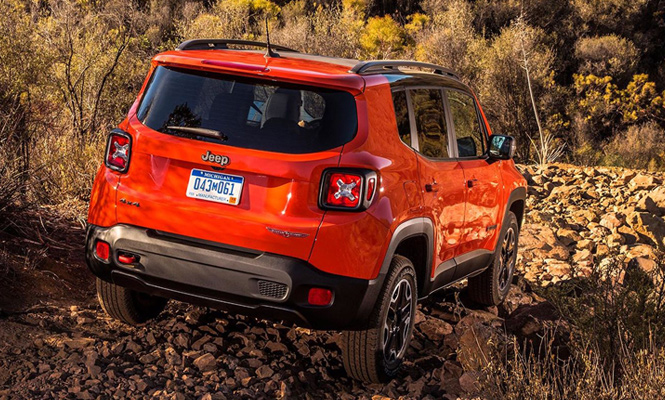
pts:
[502, 147]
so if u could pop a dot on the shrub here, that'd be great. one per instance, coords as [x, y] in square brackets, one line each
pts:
[614, 343]
[602, 108]
[640, 146]
[580, 376]
[71, 177]
[333, 31]
[607, 14]
[382, 37]
[12, 183]
[608, 55]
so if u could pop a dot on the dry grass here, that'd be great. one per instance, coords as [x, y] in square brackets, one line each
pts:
[613, 348]
[580, 376]
[641, 146]
[63, 179]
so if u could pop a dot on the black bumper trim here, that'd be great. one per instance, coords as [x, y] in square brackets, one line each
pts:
[225, 277]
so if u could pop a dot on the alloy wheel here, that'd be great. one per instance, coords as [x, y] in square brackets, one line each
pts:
[396, 328]
[507, 258]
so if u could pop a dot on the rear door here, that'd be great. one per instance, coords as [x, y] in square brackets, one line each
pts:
[232, 160]
[441, 176]
[482, 175]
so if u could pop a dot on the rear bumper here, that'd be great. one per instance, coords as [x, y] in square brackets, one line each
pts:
[239, 280]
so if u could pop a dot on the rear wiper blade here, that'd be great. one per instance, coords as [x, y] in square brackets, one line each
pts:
[211, 133]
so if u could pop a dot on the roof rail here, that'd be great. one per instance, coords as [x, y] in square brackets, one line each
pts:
[379, 66]
[223, 44]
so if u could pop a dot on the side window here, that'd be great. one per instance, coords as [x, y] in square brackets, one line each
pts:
[402, 116]
[430, 122]
[470, 138]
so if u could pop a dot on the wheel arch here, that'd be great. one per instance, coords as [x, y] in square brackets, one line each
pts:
[414, 240]
[517, 204]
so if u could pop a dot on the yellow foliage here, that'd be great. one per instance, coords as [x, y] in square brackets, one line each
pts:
[416, 22]
[354, 6]
[598, 96]
[262, 6]
[640, 99]
[382, 37]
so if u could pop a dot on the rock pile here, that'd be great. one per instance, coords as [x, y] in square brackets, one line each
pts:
[189, 352]
[576, 218]
[579, 219]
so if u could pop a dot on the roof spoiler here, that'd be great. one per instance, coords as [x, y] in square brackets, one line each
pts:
[223, 44]
[382, 66]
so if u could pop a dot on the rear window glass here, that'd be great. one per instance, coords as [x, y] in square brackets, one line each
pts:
[248, 113]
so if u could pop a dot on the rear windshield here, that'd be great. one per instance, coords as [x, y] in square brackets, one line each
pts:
[247, 113]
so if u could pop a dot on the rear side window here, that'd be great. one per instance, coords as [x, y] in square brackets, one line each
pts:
[430, 122]
[470, 138]
[402, 116]
[254, 114]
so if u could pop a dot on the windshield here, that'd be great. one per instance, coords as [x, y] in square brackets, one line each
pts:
[247, 113]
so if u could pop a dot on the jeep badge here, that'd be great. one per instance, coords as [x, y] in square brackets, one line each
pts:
[213, 158]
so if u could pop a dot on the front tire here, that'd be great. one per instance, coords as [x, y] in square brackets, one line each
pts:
[375, 355]
[491, 287]
[126, 305]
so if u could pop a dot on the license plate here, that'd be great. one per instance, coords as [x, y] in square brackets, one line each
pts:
[213, 186]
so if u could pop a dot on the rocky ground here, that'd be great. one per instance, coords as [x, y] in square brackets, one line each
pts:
[58, 344]
[582, 219]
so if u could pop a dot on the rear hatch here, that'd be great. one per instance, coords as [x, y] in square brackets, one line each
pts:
[233, 160]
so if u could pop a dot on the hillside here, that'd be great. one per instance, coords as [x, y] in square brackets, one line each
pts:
[588, 232]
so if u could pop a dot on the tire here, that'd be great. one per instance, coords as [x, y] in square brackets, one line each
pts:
[127, 305]
[491, 287]
[363, 351]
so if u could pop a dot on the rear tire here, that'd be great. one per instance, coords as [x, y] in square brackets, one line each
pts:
[375, 355]
[126, 305]
[491, 287]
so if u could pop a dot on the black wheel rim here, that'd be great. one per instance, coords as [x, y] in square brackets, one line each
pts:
[397, 326]
[507, 258]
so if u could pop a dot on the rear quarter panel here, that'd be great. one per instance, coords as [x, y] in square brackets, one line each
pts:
[102, 208]
[354, 244]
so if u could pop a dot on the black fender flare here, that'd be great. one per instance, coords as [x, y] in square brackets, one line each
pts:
[420, 226]
[517, 194]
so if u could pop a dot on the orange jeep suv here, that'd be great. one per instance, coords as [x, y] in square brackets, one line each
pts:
[328, 192]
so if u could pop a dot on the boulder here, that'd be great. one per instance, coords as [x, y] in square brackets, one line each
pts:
[481, 340]
[649, 225]
[264, 371]
[205, 362]
[469, 381]
[562, 192]
[528, 320]
[435, 329]
[558, 268]
[629, 235]
[615, 240]
[78, 343]
[644, 264]
[612, 220]
[479, 345]
[568, 236]
[654, 202]
[643, 182]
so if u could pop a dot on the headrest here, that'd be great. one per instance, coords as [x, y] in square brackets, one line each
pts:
[283, 104]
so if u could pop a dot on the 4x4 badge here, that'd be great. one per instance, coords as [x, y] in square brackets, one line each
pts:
[214, 158]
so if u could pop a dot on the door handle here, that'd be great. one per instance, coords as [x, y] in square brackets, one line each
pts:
[471, 182]
[432, 187]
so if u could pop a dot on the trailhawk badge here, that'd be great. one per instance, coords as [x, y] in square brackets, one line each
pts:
[214, 158]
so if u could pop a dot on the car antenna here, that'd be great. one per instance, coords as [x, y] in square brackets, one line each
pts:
[269, 52]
